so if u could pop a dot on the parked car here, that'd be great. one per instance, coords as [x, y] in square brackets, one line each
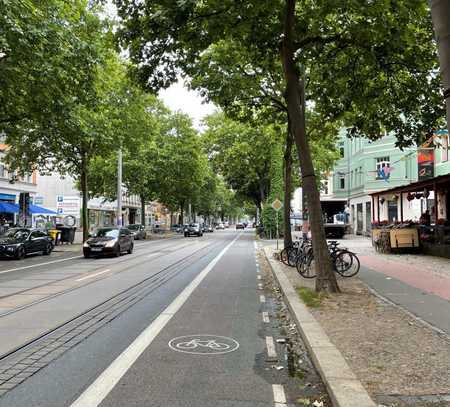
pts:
[176, 228]
[240, 226]
[138, 231]
[210, 229]
[226, 224]
[193, 229]
[113, 241]
[19, 242]
[220, 226]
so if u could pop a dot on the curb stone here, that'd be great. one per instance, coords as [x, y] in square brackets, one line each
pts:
[344, 388]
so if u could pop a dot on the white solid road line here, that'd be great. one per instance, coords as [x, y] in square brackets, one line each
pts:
[101, 387]
[279, 397]
[265, 317]
[93, 275]
[271, 351]
[262, 298]
[40, 264]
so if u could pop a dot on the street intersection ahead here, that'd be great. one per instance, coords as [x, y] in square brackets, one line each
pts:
[180, 322]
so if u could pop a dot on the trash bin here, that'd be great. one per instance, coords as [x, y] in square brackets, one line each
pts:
[67, 233]
[55, 234]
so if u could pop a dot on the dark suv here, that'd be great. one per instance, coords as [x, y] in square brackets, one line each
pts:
[193, 229]
[109, 241]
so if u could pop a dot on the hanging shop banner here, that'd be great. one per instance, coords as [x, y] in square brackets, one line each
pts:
[425, 163]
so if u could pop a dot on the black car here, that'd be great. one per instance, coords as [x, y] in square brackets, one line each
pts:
[193, 229]
[239, 226]
[113, 241]
[18, 242]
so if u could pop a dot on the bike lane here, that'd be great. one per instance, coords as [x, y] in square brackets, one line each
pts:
[209, 352]
[209, 349]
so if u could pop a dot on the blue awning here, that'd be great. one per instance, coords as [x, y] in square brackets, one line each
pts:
[39, 210]
[6, 207]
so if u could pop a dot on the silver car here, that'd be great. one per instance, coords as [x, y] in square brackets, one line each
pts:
[138, 231]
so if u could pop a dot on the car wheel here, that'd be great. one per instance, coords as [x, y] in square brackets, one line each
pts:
[118, 251]
[186, 235]
[130, 250]
[20, 253]
[48, 249]
[86, 255]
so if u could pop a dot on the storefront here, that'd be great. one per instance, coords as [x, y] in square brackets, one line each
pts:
[422, 206]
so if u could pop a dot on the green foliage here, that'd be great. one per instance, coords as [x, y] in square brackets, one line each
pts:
[241, 153]
[373, 65]
[269, 215]
[311, 298]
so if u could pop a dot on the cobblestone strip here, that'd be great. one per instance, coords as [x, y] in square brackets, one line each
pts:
[20, 365]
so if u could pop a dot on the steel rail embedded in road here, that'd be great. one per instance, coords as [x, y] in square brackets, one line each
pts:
[138, 290]
[118, 262]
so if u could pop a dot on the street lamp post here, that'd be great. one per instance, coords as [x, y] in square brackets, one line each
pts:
[119, 188]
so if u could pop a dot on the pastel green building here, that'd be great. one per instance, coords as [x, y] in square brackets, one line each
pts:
[371, 166]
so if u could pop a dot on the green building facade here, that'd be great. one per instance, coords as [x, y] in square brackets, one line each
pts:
[372, 166]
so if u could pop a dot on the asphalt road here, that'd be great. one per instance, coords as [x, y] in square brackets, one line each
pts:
[177, 323]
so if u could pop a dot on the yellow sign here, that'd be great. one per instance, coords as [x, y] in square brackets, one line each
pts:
[277, 204]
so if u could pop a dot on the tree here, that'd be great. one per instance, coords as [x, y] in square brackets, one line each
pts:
[178, 162]
[87, 119]
[241, 153]
[372, 65]
[142, 118]
[440, 12]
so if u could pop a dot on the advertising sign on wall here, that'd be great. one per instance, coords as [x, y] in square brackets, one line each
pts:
[425, 163]
[68, 205]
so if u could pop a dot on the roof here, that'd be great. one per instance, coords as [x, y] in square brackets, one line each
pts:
[416, 186]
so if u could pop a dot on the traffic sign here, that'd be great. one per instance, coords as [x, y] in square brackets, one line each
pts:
[277, 204]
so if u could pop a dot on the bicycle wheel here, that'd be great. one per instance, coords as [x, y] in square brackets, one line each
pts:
[306, 266]
[292, 257]
[284, 255]
[346, 263]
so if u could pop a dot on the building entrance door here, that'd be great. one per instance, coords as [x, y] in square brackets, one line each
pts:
[359, 219]
[368, 218]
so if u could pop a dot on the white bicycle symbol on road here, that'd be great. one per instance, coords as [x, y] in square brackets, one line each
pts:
[204, 344]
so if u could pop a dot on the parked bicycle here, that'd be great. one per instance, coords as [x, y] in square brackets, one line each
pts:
[344, 262]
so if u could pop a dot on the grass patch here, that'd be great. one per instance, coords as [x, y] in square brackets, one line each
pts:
[310, 297]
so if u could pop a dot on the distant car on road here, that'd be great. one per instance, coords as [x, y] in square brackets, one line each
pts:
[226, 224]
[193, 229]
[19, 242]
[220, 226]
[210, 229]
[240, 226]
[138, 231]
[113, 241]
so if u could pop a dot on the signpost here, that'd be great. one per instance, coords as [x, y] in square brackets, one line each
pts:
[277, 205]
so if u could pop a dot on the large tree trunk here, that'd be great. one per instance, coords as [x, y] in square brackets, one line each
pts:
[287, 164]
[84, 192]
[440, 13]
[142, 210]
[295, 99]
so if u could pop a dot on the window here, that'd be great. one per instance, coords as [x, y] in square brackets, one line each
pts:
[325, 187]
[381, 164]
[342, 182]
[2, 171]
[341, 150]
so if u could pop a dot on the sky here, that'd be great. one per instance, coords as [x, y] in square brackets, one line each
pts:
[178, 97]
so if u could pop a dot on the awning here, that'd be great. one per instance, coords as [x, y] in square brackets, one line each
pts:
[39, 210]
[6, 207]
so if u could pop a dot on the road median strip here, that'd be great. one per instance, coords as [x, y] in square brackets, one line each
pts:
[344, 388]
